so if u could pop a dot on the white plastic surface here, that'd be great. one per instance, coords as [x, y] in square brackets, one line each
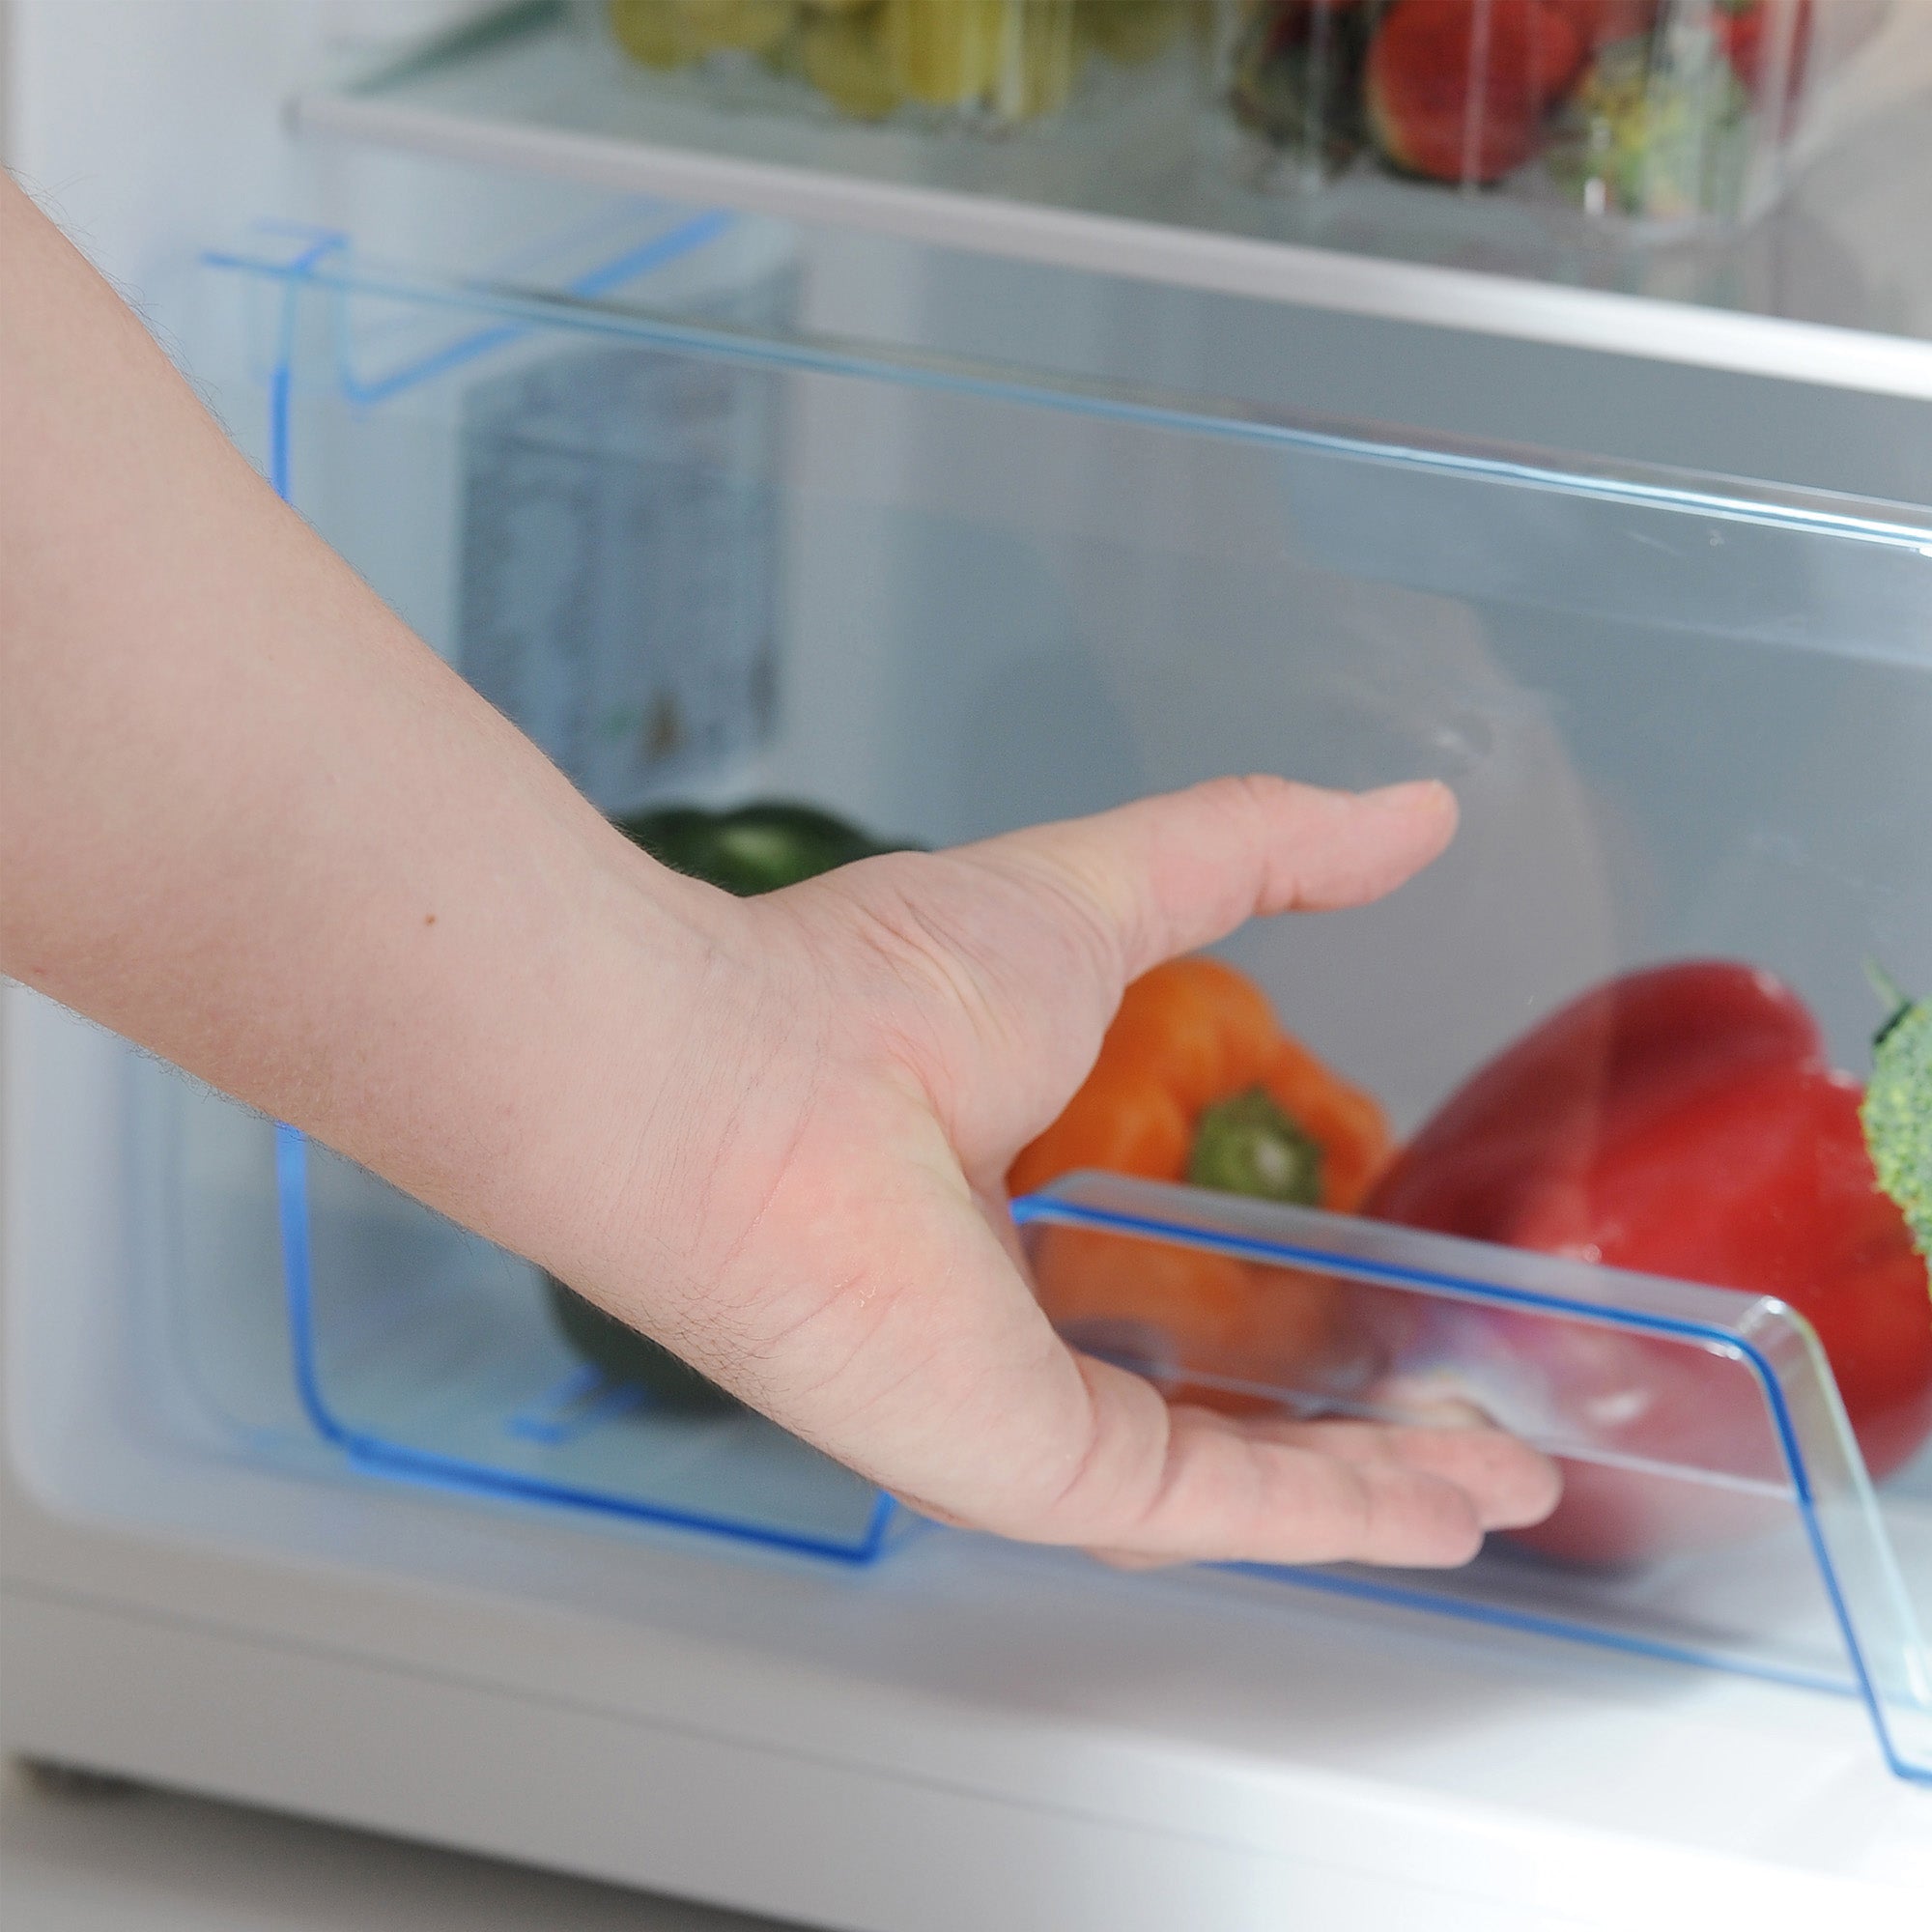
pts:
[143, 1859]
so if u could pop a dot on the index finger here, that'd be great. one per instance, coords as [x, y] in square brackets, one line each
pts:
[1169, 874]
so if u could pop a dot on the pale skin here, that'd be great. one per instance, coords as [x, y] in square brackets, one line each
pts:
[251, 822]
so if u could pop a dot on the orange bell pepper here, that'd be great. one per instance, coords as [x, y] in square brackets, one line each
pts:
[1196, 1081]
[1192, 1035]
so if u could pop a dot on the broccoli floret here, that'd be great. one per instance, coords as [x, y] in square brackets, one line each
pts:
[1897, 1116]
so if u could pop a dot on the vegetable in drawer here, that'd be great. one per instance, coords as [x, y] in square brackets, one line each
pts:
[1897, 1111]
[750, 849]
[1196, 1081]
[1684, 1122]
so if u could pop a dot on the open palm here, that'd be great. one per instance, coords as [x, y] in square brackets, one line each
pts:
[897, 1032]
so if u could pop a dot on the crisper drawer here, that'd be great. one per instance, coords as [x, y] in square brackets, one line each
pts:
[703, 555]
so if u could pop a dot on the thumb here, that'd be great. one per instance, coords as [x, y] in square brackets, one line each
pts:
[1170, 874]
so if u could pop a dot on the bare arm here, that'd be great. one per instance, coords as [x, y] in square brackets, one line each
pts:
[250, 820]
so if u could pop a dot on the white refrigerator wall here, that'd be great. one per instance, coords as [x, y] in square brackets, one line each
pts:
[150, 127]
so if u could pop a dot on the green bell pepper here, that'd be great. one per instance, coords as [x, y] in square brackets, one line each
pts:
[753, 848]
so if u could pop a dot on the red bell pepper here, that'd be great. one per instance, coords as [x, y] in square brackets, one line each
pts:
[1682, 1122]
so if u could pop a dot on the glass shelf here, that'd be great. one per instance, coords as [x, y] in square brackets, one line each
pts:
[1830, 288]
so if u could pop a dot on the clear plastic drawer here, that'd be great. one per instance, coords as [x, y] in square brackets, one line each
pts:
[702, 553]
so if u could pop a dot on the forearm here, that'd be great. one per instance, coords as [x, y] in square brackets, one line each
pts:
[252, 822]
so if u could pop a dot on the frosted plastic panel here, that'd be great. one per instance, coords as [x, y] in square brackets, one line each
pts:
[1686, 719]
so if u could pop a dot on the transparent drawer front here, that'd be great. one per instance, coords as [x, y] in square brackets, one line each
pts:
[1765, 1548]
[703, 555]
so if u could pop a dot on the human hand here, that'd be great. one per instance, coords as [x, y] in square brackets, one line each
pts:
[823, 1226]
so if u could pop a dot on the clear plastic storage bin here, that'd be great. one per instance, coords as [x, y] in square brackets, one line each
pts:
[1686, 719]
[1665, 113]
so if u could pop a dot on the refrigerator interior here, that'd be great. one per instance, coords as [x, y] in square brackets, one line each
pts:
[1683, 717]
